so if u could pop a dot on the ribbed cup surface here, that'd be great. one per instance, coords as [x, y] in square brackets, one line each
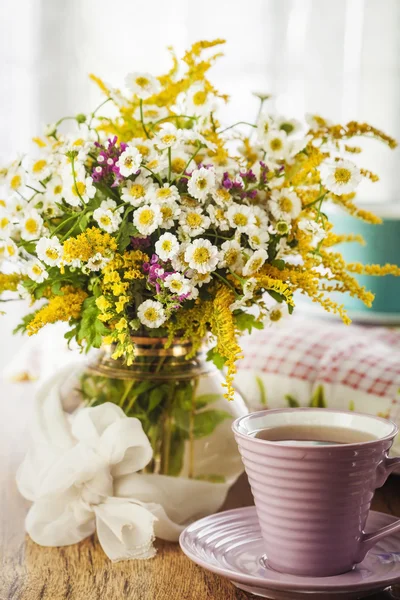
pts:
[312, 502]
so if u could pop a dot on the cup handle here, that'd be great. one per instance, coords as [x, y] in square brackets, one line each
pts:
[369, 539]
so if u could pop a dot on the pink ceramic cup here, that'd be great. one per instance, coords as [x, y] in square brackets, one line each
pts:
[312, 501]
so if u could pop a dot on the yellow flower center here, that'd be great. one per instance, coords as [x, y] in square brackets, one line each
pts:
[153, 164]
[37, 270]
[219, 214]
[142, 81]
[231, 256]
[176, 285]
[144, 150]
[258, 221]
[31, 226]
[51, 253]
[199, 98]
[150, 314]
[151, 113]
[39, 166]
[275, 315]
[240, 220]
[79, 188]
[137, 190]
[146, 217]
[285, 204]
[276, 144]
[105, 220]
[266, 127]
[166, 245]
[193, 219]
[15, 182]
[168, 138]
[256, 264]
[201, 183]
[201, 255]
[255, 239]
[79, 142]
[282, 227]
[57, 189]
[178, 164]
[4, 222]
[223, 195]
[164, 193]
[2, 203]
[342, 175]
[128, 161]
[166, 212]
[11, 250]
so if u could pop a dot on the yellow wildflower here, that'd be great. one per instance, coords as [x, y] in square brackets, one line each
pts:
[102, 303]
[121, 324]
[119, 305]
[87, 244]
[9, 282]
[59, 308]
[119, 288]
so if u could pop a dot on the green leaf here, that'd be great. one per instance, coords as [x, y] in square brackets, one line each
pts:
[245, 321]
[177, 452]
[205, 399]
[205, 422]
[216, 358]
[278, 263]
[318, 398]
[263, 391]
[292, 402]
[90, 328]
[126, 231]
[155, 397]
[277, 297]
[56, 288]
[21, 328]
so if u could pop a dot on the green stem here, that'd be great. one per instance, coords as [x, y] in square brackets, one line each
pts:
[319, 199]
[188, 162]
[142, 121]
[172, 117]
[95, 111]
[61, 225]
[34, 189]
[235, 124]
[154, 174]
[226, 282]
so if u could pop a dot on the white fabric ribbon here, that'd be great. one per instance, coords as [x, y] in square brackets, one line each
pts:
[82, 476]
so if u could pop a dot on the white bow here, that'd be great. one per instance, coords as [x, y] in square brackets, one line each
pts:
[82, 475]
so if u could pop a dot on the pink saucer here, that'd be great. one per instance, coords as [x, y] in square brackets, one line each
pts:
[230, 544]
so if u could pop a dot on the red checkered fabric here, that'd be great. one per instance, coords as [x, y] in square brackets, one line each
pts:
[362, 358]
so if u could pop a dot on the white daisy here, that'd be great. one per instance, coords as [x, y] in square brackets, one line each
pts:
[284, 205]
[231, 256]
[201, 183]
[167, 246]
[151, 313]
[170, 212]
[156, 163]
[50, 208]
[55, 187]
[147, 218]
[81, 188]
[151, 113]
[180, 161]
[50, 129]
[275, 144]
[50, 251]
[39, 168]
[218, 217]
[340, 177]
[97, 262]
[241, 217]
[31, 225]
[143, 85]
[315, 122]
[199, 279]
[129, 161]
[166, 193]
[17, 205]
[168, 136]
[178, 284]
[108, 216]
[191, 136]
[314, 229]
[198, 100]
[255, 262]
[193, 221]
[36, 271]
[202, 256]
[143, 146]
[136, 192]
[6, 224]
[8, 250]
[276, 314]
[222, 197]
[258, 238]
[16, 177]
[264, 127]
[179, 263]
[289, 126]
[261, 217]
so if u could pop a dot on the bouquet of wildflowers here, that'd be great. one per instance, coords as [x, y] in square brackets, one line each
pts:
[155, 219]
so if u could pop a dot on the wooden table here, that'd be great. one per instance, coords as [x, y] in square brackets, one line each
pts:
[82, 571]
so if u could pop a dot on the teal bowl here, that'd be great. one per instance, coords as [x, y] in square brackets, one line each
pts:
[382, 246]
